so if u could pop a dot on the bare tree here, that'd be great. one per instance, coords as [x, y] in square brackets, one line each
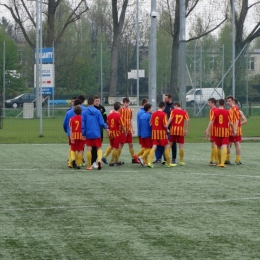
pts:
[173, 28]
[24, 16]
[118, 23]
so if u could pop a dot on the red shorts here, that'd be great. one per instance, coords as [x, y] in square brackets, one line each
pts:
[114, 142]
[161, 142]
[177, 139]
[126, 139]
[147, 142]
[235, 138]
[221, 140]
[140, 139]
[78, 145]
[94, 142]
[212, 138]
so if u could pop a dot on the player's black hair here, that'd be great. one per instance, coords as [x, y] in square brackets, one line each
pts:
[212, 100]
[162, 104]
[126, 100]
[82, 98]
[117, 106]
[77, 102]
[77, 110]
[147, 106]
[90, 101]
[221, 102]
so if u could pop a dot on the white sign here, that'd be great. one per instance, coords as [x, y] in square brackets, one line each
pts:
[134, 74]
[47, 74]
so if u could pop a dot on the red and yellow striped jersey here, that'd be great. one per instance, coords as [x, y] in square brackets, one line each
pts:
[235, 115]
[126, 114]
[221, 119]
[158, 122]
[115, 123]
[76, 127]
[211, 116]
[178, 118]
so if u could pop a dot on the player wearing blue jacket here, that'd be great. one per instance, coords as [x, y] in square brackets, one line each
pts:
[92, 120]
[146, 133]
[139, 114]
[69, 114]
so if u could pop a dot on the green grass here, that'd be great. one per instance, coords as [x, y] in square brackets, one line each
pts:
[28, 130]
[129, 212]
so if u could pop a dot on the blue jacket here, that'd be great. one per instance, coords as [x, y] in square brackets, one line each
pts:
[69, 114]
[145, 127]
[140, 112]
[91, 121]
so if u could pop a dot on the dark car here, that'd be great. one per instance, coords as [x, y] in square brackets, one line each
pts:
[19, 100]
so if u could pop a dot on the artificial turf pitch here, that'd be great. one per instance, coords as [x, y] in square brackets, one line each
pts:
[49, 211]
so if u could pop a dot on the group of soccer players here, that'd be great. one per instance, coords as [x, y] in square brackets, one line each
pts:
[84, 127]
[224, 129]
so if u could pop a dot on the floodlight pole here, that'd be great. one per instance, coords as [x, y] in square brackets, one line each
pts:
[153, 57]
[137, 52]
[182, 55]
[233, 51]
[4, 79]
[40, 85]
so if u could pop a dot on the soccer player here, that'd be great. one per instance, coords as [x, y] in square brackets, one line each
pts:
[126, 114]
[243, 119]
[234, 138]
[222, 120]
[146, 133]
[214, 150]
[159, 135]
[139, 114]
[91, 122]
[76, 140]
[176, 122]
[104, 115]
[115, 126]
[69, 114]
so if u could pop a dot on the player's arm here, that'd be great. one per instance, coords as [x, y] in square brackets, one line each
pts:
[242, 116]
[208, 128]
[104, 114]
[165, 123]
[170, 119]
[187, 123]
[71, 133]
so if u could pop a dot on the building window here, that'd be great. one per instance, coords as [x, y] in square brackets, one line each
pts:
[251, 63]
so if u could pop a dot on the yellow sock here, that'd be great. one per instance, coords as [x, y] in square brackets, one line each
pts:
[89, 157]
[140, 152]
[238, 158]
[99, 155]
[119, 152]
[215, 155]
[145, 154]
[228, 157]
[151, 155]
[167, 155]
[219, 155]
[69, 157]
[181, 152]
[132, 152]
[79, 159]
[114, 156]
[72, 155]
[223, 155]
[108, 151]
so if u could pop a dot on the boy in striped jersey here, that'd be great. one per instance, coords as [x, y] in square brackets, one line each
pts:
[176, 122]
[127, 115]
[76, 140]
[159, 135]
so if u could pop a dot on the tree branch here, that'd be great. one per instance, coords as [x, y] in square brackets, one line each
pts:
[207, 32]
[192, 8]
[258, 2]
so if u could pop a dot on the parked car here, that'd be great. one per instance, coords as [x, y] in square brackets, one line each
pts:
[23, 98]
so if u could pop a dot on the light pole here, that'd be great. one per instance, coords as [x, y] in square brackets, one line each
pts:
[137, 52]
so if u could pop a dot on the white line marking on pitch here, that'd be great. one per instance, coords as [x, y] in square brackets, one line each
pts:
[135, 171]
[134, 205]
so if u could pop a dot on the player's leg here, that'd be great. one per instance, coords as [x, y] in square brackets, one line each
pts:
[89, 157]
[227, 161]
[181, 149]
[73, 156]
[174, 152]
[151, 155]
[159, 153]
[238, 152]
[94, 157]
